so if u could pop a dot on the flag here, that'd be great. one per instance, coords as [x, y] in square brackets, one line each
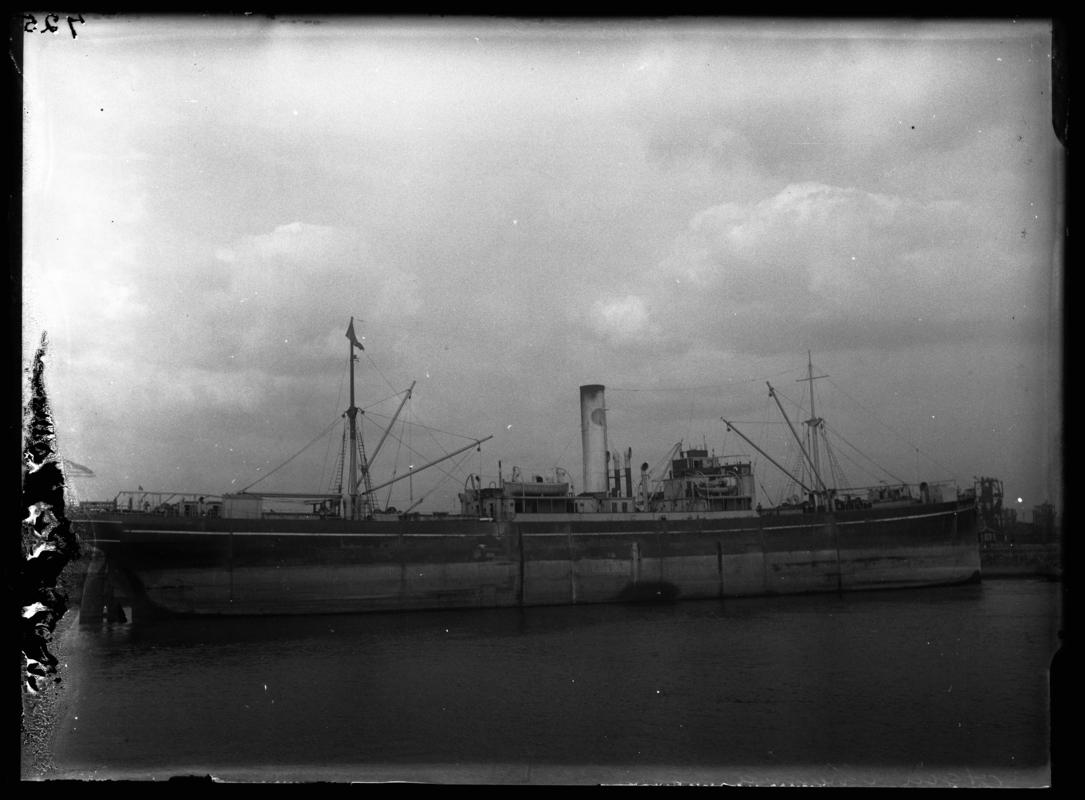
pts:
[350, 335]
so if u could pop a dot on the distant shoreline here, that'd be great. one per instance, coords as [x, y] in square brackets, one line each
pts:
[1009, 560]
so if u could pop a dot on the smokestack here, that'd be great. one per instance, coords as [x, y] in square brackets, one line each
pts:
[617, 475]
[593, 431]
[628, 473]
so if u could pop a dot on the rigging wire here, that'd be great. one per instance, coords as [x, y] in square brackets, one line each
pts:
[327, 452]
[373, 363]
[395, 469]
[865, 470]
[689, 421]
[404, 442]
[438, 485]
[402, 431]
[568, 443]
[420, 425]
[410, 437]
[835, 470]
[448, 474]
[694, 388]
[755, 460]
[303, 449]
[840, 436]
[661, 466]
[337, 485]
[868, 458]
[892, 430]
[383, 400]
[798, 467]
[797, 407]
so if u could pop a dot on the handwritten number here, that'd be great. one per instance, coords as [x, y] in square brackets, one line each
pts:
[52, 22]
[72, 20]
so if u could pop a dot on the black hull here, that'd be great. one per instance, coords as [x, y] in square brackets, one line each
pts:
[179, 565]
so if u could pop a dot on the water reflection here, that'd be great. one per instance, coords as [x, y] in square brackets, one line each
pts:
[879, 680]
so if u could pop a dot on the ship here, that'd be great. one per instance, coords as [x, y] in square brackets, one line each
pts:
[696, 532]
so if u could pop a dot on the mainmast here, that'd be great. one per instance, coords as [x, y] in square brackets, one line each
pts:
[798, 441]
[814, 422]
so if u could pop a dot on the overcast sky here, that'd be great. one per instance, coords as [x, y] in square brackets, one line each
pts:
[510, 209]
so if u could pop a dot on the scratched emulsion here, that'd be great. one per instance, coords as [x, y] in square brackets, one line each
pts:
[48, 542]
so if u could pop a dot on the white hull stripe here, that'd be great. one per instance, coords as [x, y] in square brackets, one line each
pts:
[348, 534]
[354, 535]
[898, 519]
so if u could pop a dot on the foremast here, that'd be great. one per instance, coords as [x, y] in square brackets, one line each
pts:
[359, 504]
[353, 506]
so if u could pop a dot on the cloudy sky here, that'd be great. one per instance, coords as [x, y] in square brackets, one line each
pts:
[510, 209]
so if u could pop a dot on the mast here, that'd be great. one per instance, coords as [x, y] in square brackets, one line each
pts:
[814, 422]
[787, 419]
[352, 417]
[731, 427]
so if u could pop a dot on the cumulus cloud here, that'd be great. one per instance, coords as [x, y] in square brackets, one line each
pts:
[514, 213]
[622, 319]
[815, 253]
[295, 243]
[286, 290]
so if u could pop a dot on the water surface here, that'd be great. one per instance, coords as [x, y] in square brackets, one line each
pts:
[935, 687]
